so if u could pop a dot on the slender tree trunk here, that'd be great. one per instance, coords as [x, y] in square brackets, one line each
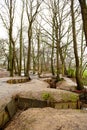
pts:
[16, 64]
[8, 65]
[61, 53]
[57, 53]
[57, 50]
[14, 55]
[10, 41]
[20, 53]
[62, 61]
[78, 80]
[15, 67]
[24, 60]
[81, 59]
[33, 56]
[21, 40]
[52, 54]
[29, 50]
[83, 6]
[43, 61]
[38, 40]
[31, 15]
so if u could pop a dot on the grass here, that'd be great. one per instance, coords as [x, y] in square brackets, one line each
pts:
[70, 97]
[71, 73]
[47, 96]
[85, 74]
[85, 78]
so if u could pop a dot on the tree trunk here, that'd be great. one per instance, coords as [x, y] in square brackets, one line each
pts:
[33, 56]
[24, 62]
[52, 54]
[21, 35]
[38, 40]
[57, 50]
[83, 6]
[81, 59]
[10, 41]
[78, 80]
[29, 50]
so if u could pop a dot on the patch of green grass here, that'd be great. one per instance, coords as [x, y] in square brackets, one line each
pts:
[84, 80]
[74, 97]
[71, 73]
[85, 74]
[70, 97]
[47, 96]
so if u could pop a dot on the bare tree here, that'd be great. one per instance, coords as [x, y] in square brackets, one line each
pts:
[78, 80]
[9, 8]
[21, 38]
[32, 11]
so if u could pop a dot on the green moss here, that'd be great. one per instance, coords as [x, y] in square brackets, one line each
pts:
[70, 97]
[4, 118]
[47, 96]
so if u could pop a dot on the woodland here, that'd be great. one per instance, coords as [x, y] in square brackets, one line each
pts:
[44, 36]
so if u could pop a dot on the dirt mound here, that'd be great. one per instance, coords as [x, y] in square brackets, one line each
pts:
[49, 119]
[66, 84]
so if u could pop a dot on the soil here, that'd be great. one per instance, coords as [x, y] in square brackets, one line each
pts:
[3, 73]
[66, 84]
[49, 119]
[43, 118]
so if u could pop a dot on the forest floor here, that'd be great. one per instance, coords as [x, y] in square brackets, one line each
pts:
[42, 118]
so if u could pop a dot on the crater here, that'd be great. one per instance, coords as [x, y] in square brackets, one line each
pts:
[18, 80]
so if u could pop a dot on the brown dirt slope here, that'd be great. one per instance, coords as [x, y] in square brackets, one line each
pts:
[49, 119]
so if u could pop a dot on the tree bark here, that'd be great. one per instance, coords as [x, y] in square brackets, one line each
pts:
[31, 17]
[33, 56]
[29, 50]
[38, 56]
[10, 41]
[21, 39]
[78, 80]
[83, 6]
[52, 54]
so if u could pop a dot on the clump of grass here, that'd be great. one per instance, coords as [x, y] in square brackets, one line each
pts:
[47, 97]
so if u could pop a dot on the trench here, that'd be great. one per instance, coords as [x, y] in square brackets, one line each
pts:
[19, 105]
[22, 104]
[82, 93]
